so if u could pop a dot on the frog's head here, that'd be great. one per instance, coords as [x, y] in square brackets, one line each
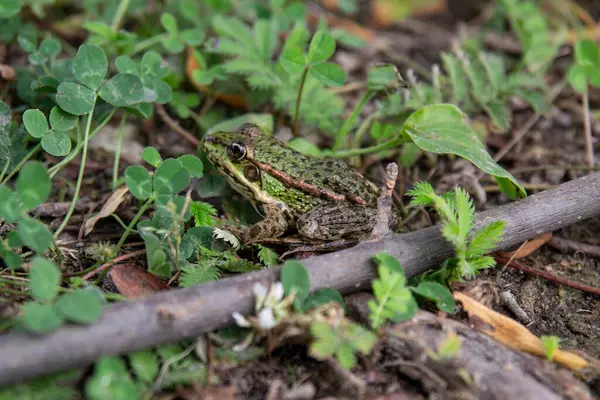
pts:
[232, 153]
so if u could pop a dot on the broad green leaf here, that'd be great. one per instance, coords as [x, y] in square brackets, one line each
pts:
[61, 120]
[122, 90]
[126, 65]
[444, 129]
[293, 59]
[323, 296]
[173, 45]
[75, 98]
[322, 47]
[193, 37]
[81, 306]
[157, 259]
[329, 74]
[111, 381]
[144, 364]
[27, 41]
[171, 177]
[50, 47]
[192, 164]
[56, 143]
[90, 65]
[35, 234]
[4, 115]
[169, 22]
[8, 8]
[40, 318]
[151, 156]
[587, 52]
[153, 66]
[33, 184]
[100, 29]
[295, 279]
[139, 182]
[10, 209]
[437, 293]
[35, 123]
[12, 260]
[577, 77]
[305, 147]
[44, 279]
[263, 121]
[161, 89]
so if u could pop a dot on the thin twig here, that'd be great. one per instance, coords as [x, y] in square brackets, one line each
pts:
[116, 260]
[166, 118]
[565, 245]
[547, 275]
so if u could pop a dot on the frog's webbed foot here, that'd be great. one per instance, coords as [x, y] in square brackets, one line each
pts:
[274, 225]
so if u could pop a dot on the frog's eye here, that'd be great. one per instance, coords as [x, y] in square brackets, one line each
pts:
[252, 173]
[237, 150]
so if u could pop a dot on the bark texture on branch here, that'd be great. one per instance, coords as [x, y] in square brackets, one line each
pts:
[185, 313]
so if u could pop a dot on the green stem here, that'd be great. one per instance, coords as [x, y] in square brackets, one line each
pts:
[299, 99]
[133, 223]
[121, 10]
[56, 168]
[367, 150]
[144, 44]
[118, 151]
[86, 138]
[23, 161]
[339, 137]
[6, 165]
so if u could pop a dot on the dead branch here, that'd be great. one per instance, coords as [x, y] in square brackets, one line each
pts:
[186, 313]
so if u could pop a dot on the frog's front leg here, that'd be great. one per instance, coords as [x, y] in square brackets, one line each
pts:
[336, 221]
[273, 225]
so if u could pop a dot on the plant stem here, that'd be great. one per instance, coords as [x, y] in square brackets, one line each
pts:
[119, 14]
[144, 44]
[133, 222]
[587, 125]
[6, 165]
[86, 138]
[54, 170]
[367, 150]
[299, 99]
[23, 161]
[339, 137]
[118, 151]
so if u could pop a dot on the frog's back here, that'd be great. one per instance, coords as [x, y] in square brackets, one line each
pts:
[332, 176]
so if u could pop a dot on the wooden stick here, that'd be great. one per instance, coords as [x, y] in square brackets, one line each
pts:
[186, 313]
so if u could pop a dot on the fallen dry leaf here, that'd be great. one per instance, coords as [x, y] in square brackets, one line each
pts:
[513, 334]
[7, 72]
[134, 282]
[388, 12]
[107, 209]
[528, 247]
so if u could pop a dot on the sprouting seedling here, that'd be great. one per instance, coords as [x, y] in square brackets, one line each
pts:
[295, 60]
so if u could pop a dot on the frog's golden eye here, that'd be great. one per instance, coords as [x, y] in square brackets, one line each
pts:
[252, 173]
[237, 150]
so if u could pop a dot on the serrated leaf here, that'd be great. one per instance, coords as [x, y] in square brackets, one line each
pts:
[90, 65]
[267, 256]
[138, 181]
[33, 184]
[57, 144]
[35, 123]
[194, 274]
[329, 74]
[75, 98]
[44, 279]
[81, 306]
[486, 238]
[122, 90]
[444, 129]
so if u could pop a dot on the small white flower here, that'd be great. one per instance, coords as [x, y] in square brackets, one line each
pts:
[276, 291]
[227, 237]
[266, 319]
[241, 320]
[260, 292]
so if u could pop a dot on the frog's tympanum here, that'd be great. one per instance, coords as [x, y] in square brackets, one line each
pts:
[322, 199]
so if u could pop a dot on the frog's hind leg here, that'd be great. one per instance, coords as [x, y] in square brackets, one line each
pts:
[336, 221]
[322, 247]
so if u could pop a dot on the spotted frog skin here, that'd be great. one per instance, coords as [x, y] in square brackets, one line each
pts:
[322, 199]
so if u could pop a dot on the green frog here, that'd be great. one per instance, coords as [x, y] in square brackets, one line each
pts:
[323, 200]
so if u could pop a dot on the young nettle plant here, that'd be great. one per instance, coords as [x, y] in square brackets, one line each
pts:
[457, 213]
